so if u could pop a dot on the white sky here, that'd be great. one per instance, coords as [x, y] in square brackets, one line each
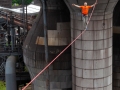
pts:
[31, 9]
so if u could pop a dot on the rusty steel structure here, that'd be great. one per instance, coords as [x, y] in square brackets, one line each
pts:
[18, 19]
[11, 43]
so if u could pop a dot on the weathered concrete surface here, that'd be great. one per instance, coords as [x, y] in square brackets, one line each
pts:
[58, 24]
[92, 53]
[6, 3]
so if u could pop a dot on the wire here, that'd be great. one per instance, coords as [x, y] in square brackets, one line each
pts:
[61, 51]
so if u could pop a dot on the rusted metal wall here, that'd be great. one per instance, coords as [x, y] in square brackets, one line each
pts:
[92, 53]
[58, 23]
[6, 3]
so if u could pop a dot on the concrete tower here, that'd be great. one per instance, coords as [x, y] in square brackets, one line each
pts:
[58, 24]
[6, 3]
[92, 53]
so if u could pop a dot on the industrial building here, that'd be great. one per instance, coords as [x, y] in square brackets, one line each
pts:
[45, 45]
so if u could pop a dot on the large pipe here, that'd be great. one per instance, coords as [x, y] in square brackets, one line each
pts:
[10, 74]
[12, 32]
[46, 43]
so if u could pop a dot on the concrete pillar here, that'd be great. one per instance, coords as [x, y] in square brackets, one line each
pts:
[92, 53]
[58, 25]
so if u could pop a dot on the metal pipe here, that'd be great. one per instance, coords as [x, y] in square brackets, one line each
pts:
[12, 32]
[46, 43]
[23, 15]
[10, 73]
[19, 35]
[26, 19]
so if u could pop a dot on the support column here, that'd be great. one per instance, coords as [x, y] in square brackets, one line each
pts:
[92, 52]
[58, 28]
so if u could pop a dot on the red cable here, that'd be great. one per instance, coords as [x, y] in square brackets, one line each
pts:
[60, 52]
